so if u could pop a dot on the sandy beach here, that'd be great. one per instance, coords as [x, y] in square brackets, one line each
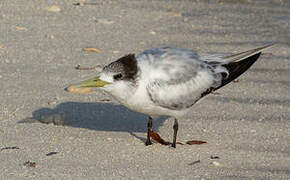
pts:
[74, 136]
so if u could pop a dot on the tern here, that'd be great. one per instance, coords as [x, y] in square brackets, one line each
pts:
[169, 81]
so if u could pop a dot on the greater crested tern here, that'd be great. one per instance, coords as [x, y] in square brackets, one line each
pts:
[169, 81]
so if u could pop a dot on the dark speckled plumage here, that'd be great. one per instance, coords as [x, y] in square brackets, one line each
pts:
[126, 65]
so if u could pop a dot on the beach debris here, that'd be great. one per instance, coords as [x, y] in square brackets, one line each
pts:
[153, 32]
[105, 100]
[20, 28]
[10, 147]
[217, 164]
[56, 119]
[53, 8]
[236, 81]
[97, 68]
[51, 153]
[78, 4]
[194, 162]
[82, 3]
[91, 50]
[197, 142]
[49, 36]
[28, 120]
[77, 90]
[104, 21]
[29, 164]
[78, 67]
[173, 13]
[53, 102]
[214, 157]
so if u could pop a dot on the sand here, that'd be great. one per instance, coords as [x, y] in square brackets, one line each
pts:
[246, 126]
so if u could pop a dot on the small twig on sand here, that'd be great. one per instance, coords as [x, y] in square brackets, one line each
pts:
[80, 4]
[29, 164]
[97, 68]
[194, 162]
[214, 157]
[51, 153]
[12, 147]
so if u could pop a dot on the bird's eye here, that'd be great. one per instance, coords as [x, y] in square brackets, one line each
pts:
[118, 76]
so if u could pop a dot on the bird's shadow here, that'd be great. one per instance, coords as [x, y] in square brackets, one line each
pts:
[96, 116]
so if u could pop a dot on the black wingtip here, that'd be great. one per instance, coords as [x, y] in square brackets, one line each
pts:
[237, 68]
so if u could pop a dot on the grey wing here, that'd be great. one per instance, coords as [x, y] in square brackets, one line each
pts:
[167, 54]
[190, 77]
[183, 83]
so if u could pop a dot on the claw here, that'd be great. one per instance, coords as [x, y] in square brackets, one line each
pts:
[147, 143]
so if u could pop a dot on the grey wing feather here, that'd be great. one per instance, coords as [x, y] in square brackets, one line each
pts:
[157, 88]
[182, 93]
[246, 54]
[188, 78]
[240, 56]
[167, 54]
[225, 59]
[195, 76]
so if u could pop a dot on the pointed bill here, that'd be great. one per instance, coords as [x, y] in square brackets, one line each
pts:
[86, 85]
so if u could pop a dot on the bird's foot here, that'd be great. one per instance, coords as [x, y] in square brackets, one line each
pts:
[155, 136]
[148, 142]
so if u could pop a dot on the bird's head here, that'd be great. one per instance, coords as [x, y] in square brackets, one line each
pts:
[116, 78]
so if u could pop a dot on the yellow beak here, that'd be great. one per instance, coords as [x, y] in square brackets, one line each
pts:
[86, 85]
[93, 82]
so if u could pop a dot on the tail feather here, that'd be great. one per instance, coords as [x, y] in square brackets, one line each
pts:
[235, 64]
[244, 55]
[237, 68]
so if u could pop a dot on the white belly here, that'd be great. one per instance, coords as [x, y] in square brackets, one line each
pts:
[141, 102]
